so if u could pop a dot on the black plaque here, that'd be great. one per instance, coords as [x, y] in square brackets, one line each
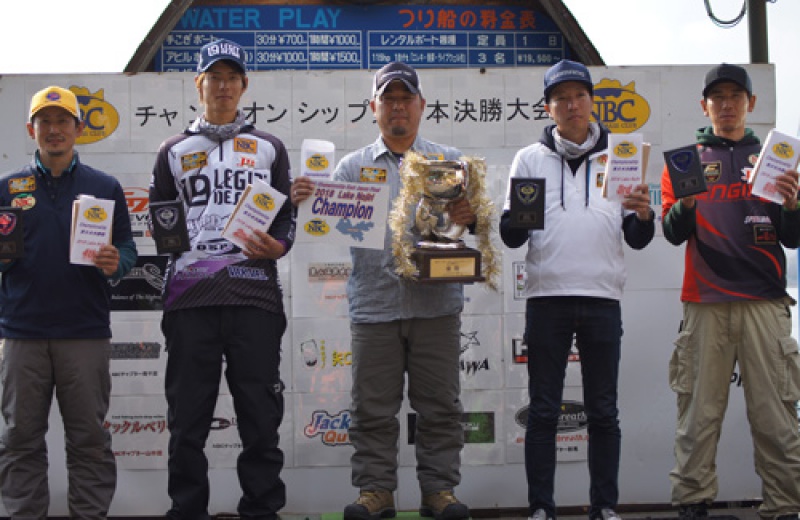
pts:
[527, 203]
[168, 222]
[685, 171]
[12, 243]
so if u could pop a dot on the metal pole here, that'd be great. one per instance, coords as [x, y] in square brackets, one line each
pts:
[757, 24]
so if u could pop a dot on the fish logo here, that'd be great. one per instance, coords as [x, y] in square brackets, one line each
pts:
[100, 116]
[264, 202]
[317, 162]
[317, 227]
[625, 149]
[95, 214]
[619, 107]
[783, 150]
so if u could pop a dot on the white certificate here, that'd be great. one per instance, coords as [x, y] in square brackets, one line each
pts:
[627, 162]
[779, 153]
[91, 228]
[255, 210]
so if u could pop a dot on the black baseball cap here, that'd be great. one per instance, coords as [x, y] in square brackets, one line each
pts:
[728, 72]
[395, 71]
[221, 50]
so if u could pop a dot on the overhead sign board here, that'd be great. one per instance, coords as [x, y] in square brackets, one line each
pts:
[316, 37]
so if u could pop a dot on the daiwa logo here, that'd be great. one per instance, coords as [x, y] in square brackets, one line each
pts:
[471, 366]
[100, 116]
[332, 429]
[620, 108]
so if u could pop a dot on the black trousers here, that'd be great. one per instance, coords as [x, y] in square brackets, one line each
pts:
[245, 342]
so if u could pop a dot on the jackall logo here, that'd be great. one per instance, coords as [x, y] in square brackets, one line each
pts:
[471, 366]
[332, 429]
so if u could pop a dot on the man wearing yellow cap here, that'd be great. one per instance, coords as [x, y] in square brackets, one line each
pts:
[54, 318]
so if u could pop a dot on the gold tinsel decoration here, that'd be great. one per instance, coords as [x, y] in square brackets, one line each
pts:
[401, 218]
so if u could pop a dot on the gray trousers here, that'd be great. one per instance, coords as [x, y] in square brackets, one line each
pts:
[427, 350]
[716, 337]
[78, 371]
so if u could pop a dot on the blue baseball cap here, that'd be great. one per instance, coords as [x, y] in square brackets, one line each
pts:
[221, 50]
[563, 71]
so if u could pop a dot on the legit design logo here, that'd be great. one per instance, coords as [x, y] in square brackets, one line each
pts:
[620, 108]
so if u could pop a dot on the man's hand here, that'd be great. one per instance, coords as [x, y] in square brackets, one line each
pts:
[107, 260]
[639, 201]
[261, 245]
[787, 187]
[302, 188]
[461, 212]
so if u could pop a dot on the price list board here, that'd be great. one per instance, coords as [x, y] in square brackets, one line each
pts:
[316, 37]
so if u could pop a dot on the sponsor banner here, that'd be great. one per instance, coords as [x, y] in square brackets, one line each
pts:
[344, 213]
[224, 445]
[515, 351]
[572, 435]
[140, 289]
[138, 427]
[138, 358]
[138, 201]
[321, 355]
[514, 277]
[319, 280]
[478, 297]
[320, 434]
[480, 360]
[482, 422]
[516, 355]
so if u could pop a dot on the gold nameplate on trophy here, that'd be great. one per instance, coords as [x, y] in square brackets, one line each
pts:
[448, 265]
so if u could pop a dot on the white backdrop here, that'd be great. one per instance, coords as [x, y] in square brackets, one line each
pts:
[490, 114]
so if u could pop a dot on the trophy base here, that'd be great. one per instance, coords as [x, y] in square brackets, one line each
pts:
[461, 264]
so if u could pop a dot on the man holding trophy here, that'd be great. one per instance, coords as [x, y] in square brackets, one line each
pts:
[575, 277]
[400, 325]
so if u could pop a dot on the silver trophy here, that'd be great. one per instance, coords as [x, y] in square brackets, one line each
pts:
[445, 182]
[441, 255]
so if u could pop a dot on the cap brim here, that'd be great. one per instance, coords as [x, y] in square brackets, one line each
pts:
[223, 58]
[411, 88]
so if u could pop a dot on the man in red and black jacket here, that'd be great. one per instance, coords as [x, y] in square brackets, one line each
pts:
[736, 309]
